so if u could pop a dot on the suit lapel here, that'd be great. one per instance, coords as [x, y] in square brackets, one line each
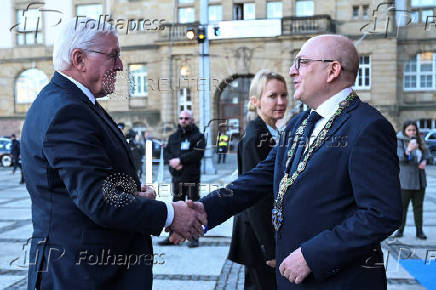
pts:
[113, 126]
[263, 129]
[65, 83]
[289, 134]
[340, 120]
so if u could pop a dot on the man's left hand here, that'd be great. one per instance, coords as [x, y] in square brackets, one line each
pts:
[147, 192]
[294, 267]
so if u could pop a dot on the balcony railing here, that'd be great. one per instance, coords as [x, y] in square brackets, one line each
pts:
[307, 24]
[292, 25]
[176, 31]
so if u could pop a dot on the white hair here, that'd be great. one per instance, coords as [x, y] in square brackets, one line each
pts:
[77, 33]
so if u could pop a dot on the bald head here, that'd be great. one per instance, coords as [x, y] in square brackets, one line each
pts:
[186, 113]
[185, 119]
[340, 48]
[325, 65]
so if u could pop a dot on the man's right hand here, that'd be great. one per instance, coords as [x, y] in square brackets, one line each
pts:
[174, 163]
[188, 220]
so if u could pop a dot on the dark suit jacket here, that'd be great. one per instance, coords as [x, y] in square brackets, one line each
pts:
[80, 240]
[253, 234]
[339, 209]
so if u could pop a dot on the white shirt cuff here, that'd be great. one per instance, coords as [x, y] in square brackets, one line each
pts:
[170, 214]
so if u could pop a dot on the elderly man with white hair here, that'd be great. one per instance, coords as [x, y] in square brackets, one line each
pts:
[92, 219]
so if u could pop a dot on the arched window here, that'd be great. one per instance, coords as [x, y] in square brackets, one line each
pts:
[28, 85]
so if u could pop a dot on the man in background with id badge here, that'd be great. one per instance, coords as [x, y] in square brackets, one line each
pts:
[184, 152]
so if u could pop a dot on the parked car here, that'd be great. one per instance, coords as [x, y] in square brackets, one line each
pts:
[423, 132]
[430, 140]
[5, 152]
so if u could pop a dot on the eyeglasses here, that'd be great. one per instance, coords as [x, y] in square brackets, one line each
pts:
[184, 118]
[114, 56]
[298, 61]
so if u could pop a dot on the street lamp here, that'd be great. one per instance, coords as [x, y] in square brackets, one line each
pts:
[190, 33]
[203, 72]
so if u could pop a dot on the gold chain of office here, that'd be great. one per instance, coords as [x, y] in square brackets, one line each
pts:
[286, 182]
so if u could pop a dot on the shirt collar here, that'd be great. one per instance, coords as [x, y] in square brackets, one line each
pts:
[274, 132]
[84, 89]
[329, 107]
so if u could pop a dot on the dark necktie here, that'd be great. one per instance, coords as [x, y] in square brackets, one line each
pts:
[304, 141]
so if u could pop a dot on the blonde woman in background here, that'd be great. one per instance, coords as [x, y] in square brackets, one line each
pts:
[253, 234]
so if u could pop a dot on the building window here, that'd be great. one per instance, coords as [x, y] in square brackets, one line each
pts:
[89, 10]
[249, 11]
[414, 16]
[244, 11]
[29, 27]
[186, 15]
[420, 71]
[427, 124]
[185, 100]
[427, 16]
[28, 85]
[215, 13]
[274, 10]
[304, 8]
[363, 79]
[365, 9]
[238, 9]
[355, 12]
[423, 3]
[138, 80]
[186, 1]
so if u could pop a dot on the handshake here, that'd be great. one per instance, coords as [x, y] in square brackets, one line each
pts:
[189, 217]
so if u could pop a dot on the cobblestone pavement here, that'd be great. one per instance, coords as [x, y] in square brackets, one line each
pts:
[206, 267]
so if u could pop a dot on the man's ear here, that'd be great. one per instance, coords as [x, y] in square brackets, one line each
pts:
[334, 72]
[78, 59]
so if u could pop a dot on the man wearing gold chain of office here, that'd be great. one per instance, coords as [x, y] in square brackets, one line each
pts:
[334, 175]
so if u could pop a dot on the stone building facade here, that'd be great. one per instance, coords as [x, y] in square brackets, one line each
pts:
[396, 42]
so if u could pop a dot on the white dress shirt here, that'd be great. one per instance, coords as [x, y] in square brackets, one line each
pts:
[273, 132]
[326, 110]
[87, 92]
[84, 89]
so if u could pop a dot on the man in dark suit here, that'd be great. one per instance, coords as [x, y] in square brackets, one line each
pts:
[334, 175]
[92, 220]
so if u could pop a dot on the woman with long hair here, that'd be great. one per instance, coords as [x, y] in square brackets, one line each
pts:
[413, 155]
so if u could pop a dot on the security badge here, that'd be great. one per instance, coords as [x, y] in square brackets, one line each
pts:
[185, 145]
